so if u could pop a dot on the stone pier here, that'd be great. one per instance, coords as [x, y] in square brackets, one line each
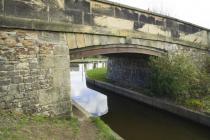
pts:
[34, 72]
[130, 69]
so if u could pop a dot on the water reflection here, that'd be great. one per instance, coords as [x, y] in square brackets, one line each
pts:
[92, 101]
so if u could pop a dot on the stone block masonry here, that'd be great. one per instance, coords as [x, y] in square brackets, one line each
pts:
[128, 69]
[34, 72]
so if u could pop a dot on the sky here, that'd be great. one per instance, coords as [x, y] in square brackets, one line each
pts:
[194, 11]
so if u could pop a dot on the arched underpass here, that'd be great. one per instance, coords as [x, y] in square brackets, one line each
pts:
[114, 49]
[127, 63]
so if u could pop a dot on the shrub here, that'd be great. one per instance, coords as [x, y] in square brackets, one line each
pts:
[207, 64]
[177, 77]
[195, 104]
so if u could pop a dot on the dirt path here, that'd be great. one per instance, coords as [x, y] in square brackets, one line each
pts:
[17, 127]
[88, 130]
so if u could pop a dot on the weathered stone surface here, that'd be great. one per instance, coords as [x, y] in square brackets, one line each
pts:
[128, 69]
[88, 19]
[16, 79]
[209, 40]
[97, 13]
[104, 40]
[76, 16]
[112, 22]
[39, 58]
[143, 18]
[46, 61]
[173, 27]
[71, 40]
[61, 50]
[188, 29]
[88, 40]
[1, 7]
[57, 12]
[82, 5]
[102, 9]
[126, 14]
[26, 9]
[80, 40]
[96, 40]
[5, 82]
[61, 61]
[138, 25]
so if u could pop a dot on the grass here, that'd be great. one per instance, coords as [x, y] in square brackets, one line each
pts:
[16, 126]
[105, 132]
[98, 74]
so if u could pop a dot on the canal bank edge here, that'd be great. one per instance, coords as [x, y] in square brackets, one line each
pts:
[82, 110]
[160, 104]
[89, 116]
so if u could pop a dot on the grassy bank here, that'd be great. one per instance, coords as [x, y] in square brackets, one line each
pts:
[105, 132]
[16, 126]
[98, 74]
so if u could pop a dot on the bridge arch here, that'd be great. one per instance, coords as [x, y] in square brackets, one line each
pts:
[115, 49]
[127, 63]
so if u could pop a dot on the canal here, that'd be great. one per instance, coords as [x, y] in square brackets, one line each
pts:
[130, 119]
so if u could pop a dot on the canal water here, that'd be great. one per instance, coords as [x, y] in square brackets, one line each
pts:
[133, 120]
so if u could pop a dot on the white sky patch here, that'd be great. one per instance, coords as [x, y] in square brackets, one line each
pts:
[194, 11]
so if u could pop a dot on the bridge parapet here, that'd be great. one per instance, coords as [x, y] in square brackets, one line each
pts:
[104, 14]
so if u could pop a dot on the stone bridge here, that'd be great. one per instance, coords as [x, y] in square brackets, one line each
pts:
[38, 37]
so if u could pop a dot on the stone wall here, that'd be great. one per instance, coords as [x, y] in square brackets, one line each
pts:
[128, 69]
[34, 72]
[104, 14]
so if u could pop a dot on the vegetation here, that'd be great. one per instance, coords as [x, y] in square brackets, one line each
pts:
[105, 133]
[206, 102]
[98, 74]
[178, 78]
[16, 126]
